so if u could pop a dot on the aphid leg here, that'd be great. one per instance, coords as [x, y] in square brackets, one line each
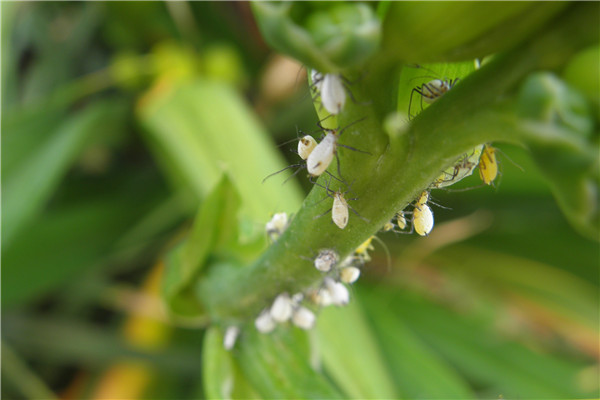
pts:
[355, 149]
[362, 103]
[356, 212]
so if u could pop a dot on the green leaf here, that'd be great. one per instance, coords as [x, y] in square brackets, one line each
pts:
[279, 365]
[345, 336]
[418, 370]
[75, 236]
[202, 129]
[431, 31]
[330, 37]
[216, 224]
[29, 185]
[483, 356]
[561, 125]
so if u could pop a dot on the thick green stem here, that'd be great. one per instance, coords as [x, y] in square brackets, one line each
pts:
[400, 166]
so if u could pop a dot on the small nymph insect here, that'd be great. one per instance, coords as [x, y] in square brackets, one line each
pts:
[303, 318]
[277, 225]
[282, 308]
[264, 323]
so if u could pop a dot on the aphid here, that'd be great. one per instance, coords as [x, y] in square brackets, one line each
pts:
[326, 259]
[333, 94]
[281, 310]
[462, 168]
[305, 146]
[388, 226]
[264, 323]
[338, 292]
[277, 225]
[303, 318]
[400, 220]
[488, 166]
[422, 215]
[339, 209]
[431, 91]
[230, 337]
[321, 156]
[349, 274]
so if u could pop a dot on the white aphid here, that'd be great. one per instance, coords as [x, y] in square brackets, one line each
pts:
[264, 323]
[282, 308]
[230, 337]
[333, 93]
[321, 297]
[305, 146]
[325, 260]
[349, 274]
[303, 318]
[338, 292]
[277, 225]
[422, 219]
[321, 156]
[339, 211]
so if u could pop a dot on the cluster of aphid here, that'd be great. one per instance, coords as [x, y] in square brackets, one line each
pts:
[300, 308]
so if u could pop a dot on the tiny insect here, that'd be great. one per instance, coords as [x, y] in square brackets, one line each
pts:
[337, 291]
[230, 337]
[282, 308]
[326, 259]
[431, 91]
[349, 274]
[303, 318]
[305, 146]
[277, 225]
[264, 323]
[422, 215]
[333, 93]
[488, 166]
[401, 220]
[322, 155]
[461, 169]
[339, 209]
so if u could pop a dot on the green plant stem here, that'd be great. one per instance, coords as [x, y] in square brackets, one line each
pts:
[399, 168]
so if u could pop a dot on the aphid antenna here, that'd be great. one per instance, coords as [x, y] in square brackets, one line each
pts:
[438, 205]
[299, 166]
[387, 252]
[509, 159]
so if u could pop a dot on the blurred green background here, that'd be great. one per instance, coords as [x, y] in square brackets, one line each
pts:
[119, 118]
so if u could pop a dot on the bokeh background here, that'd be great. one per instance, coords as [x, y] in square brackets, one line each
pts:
[116, 120]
